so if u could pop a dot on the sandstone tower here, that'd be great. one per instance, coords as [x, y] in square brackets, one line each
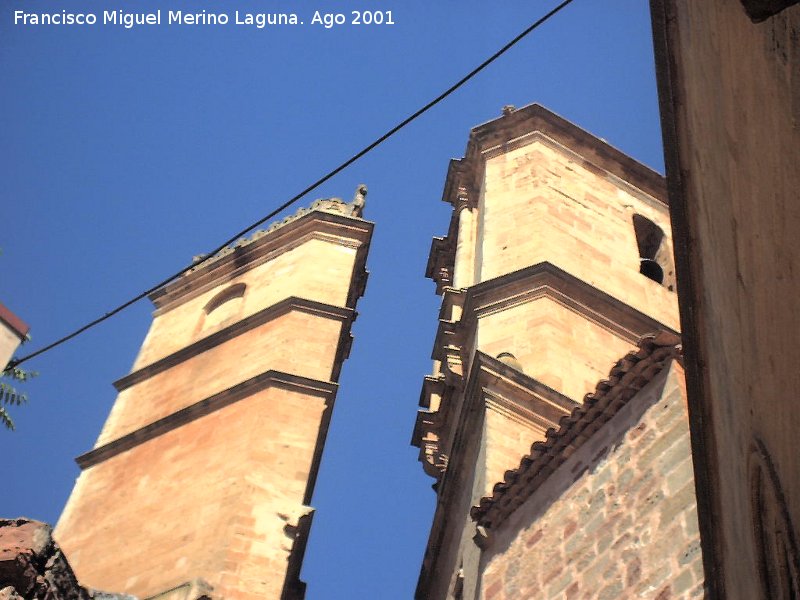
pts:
[556, 262]
[200, 482]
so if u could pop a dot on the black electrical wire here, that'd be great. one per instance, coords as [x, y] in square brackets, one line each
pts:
[310, 188]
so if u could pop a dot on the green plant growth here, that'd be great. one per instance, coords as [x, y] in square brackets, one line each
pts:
[9, 396]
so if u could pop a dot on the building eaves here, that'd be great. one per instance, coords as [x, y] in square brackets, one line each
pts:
[13, 322]
[627, 377]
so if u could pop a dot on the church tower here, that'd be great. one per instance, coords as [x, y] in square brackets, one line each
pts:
[556, 261]
[201, 481]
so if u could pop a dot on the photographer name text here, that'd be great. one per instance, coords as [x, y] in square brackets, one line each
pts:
[130, 20]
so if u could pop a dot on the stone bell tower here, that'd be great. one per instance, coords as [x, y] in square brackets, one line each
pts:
[201, 481]
[556, 261]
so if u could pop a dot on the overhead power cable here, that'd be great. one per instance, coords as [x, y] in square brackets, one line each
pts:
[308, 189]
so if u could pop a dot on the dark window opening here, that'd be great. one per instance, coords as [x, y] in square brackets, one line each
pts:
[760, 10]
[651, 269]
[655, 254]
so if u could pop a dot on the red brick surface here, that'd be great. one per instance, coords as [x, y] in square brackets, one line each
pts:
[626, 527]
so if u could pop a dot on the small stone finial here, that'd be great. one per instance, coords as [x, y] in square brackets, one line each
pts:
[508, 109]
[510, 360]
[359, 200]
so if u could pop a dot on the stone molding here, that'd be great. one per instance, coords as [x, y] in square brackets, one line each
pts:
[194, 589]
[461, 308]
[444, 436]
[503, 388]
[520, 126]
[340, 229]
[545, 279]
[499, 387]
[324, 389]
[293, 303]
[441, 261]
[542, 280]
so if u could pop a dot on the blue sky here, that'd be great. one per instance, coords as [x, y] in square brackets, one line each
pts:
[124, 152]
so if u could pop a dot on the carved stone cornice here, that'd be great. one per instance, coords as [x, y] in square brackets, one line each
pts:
[459, 188]
[547, 280]
[540, 406]
[324, 389]
[436, 399]
[499, 387]
[334, 228]
[293, 303]
[441, 262]
[518, 396]
[524, 125]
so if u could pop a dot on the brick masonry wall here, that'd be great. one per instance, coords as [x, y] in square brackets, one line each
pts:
[624, 526]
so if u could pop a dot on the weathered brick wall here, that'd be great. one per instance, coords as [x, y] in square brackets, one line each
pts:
[617, 520]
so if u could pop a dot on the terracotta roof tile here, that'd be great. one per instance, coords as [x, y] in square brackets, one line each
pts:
[13, 322]
[629, 375]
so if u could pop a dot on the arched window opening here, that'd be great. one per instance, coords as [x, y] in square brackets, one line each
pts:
[224, 305]
[651, 269]
[655, 254]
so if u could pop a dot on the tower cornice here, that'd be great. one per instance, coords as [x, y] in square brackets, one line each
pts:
[547, 279]
[335, 228]
[520, 127]
[325, 389]
[223, 335]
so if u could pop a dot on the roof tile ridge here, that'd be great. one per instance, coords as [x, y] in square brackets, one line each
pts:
[628, 375]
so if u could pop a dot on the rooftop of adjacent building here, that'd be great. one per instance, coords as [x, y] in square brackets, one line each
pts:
[13, 322]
